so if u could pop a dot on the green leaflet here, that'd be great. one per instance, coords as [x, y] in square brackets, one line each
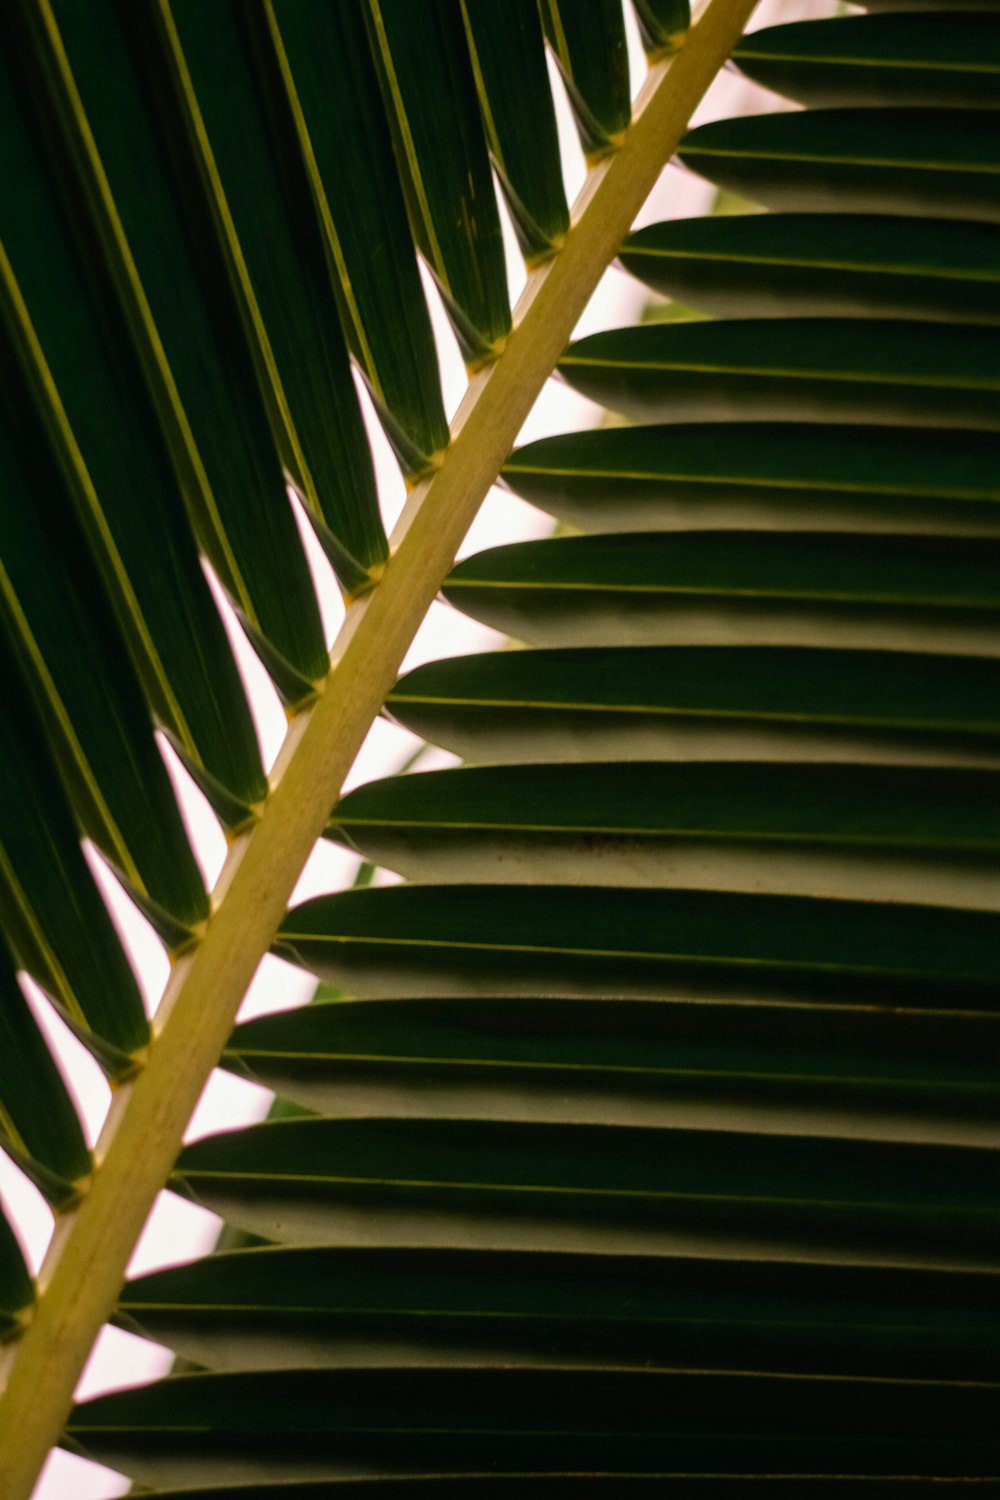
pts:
[717, 702]
[768, 944]
[936, 5]
[859, 265]
[587, 38]
[861, 1072]
[331, 80]
[53, 916]
[663, 24]
[508, 57]
[503, 1486]
[888, 60]
[17, 1292]
[420, 52]
[938, 163]
[738, 587]
[238, 88]
[591, 1186]
[764, 475]
[168, 214]
[808, 830]
[328, 1305]
[58, 625]
[65, 333]
[910, 1050]
[468, 1420]
[38, 1121]
[866, 805]
[813, 369]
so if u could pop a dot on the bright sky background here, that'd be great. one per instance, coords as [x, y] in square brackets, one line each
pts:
[177, 1230]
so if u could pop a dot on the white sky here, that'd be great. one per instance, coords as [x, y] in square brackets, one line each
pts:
[177, 1230]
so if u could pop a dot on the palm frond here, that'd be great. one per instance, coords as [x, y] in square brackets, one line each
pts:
[653, 1136]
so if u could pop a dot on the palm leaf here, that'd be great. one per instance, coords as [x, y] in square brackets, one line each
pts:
[652, 1137]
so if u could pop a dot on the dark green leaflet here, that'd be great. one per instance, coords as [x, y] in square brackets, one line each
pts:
[935, 5]
[904, 1075]
[570, 1484]
[909, 1052]
[358, 194]
[777, 476]
[508, 56]
[329, 1423]
[442, 160]
[814, 369]
[238, 88]
[700, 587]
[587, 38]
[863, 804]
[587, 1186]
[809, 830]
[938, 163]
[780, 563]
[859, 265]
[892, 60]
[778, 944]
[54, 919]
[16, 1290]
[729, 702]
[327, 1303]
[38, 1122]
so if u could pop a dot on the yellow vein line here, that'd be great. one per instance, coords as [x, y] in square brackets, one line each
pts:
[946, 380]
[816, 834]
[921, 64]
[806, 481]
[740, 257]
[723, 589]
[815, 159]
[727, 960]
